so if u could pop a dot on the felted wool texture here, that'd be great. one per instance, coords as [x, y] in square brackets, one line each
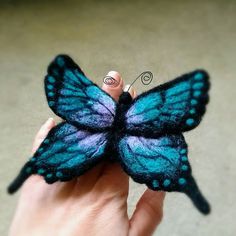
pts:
[145, 134]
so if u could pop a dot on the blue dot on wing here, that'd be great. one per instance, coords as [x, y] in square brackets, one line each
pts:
[192, 111]
[51, 79]
[49, 175]
[50, 94]
[59, 174]
[51, 103]
[197, 94]
[198, 85]
[46, 141]
[166, 183]
[184, 158]
[193, 101]
[198, 76]
[183, 151]
[190, 121]
[50, 87]
[184, 167]
[41, 171]
[60, 61]
[155, 183]
[182, 181]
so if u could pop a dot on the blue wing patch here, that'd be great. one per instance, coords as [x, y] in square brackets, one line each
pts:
[160, 160]
[65, 153]
[161, 164]
[72, 96]
[173, 107]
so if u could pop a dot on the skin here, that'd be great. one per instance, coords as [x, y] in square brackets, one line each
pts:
[93, 204]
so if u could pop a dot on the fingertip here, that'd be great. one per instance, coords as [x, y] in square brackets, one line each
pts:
[112, 80]
[113, 84]
[131, 90]
[148, 213]
[49, 123]
[43, 132]
[116, 75]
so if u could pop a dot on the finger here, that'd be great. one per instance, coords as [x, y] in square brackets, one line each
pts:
[42, 133]
[148, 213]
[113, 85]
[131, 90]
[113, 177]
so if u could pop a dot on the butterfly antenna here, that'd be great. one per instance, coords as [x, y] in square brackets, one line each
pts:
[196, 196]
[109, 80]
[145, 77]
[19, 180]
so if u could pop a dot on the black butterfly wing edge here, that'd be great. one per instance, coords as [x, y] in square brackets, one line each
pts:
[20, 179]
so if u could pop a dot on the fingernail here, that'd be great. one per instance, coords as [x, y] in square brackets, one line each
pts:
[112, 79]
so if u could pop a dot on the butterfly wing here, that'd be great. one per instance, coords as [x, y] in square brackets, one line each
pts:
[72, 96]
[161, 164]
[172, 107]
[65, 153]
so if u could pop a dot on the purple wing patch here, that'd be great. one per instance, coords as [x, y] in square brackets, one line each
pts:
[68, 152]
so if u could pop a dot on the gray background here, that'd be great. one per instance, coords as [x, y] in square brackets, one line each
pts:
[166, 37]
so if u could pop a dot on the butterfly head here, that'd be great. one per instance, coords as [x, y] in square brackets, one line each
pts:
[125, 98]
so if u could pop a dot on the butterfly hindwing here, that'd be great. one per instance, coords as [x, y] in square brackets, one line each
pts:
[72, 96]
[155, 162]
[162, 164]
[173, 107]
[65, 153]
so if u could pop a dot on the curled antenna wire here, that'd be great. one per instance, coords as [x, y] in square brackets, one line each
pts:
[145, 77]
[108, 80]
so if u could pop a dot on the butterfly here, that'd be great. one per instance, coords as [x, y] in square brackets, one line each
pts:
[143, 134]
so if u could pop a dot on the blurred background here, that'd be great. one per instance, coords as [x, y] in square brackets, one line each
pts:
[166, 37]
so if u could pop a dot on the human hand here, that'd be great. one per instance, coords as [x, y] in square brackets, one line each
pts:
[93, 204]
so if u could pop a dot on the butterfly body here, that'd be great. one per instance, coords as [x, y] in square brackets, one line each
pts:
[118, 128]
[144, 135]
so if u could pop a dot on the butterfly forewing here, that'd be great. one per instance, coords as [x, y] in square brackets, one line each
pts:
[173, 107]
[72, 96]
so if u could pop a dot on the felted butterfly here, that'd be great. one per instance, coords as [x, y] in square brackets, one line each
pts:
[144, 135]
